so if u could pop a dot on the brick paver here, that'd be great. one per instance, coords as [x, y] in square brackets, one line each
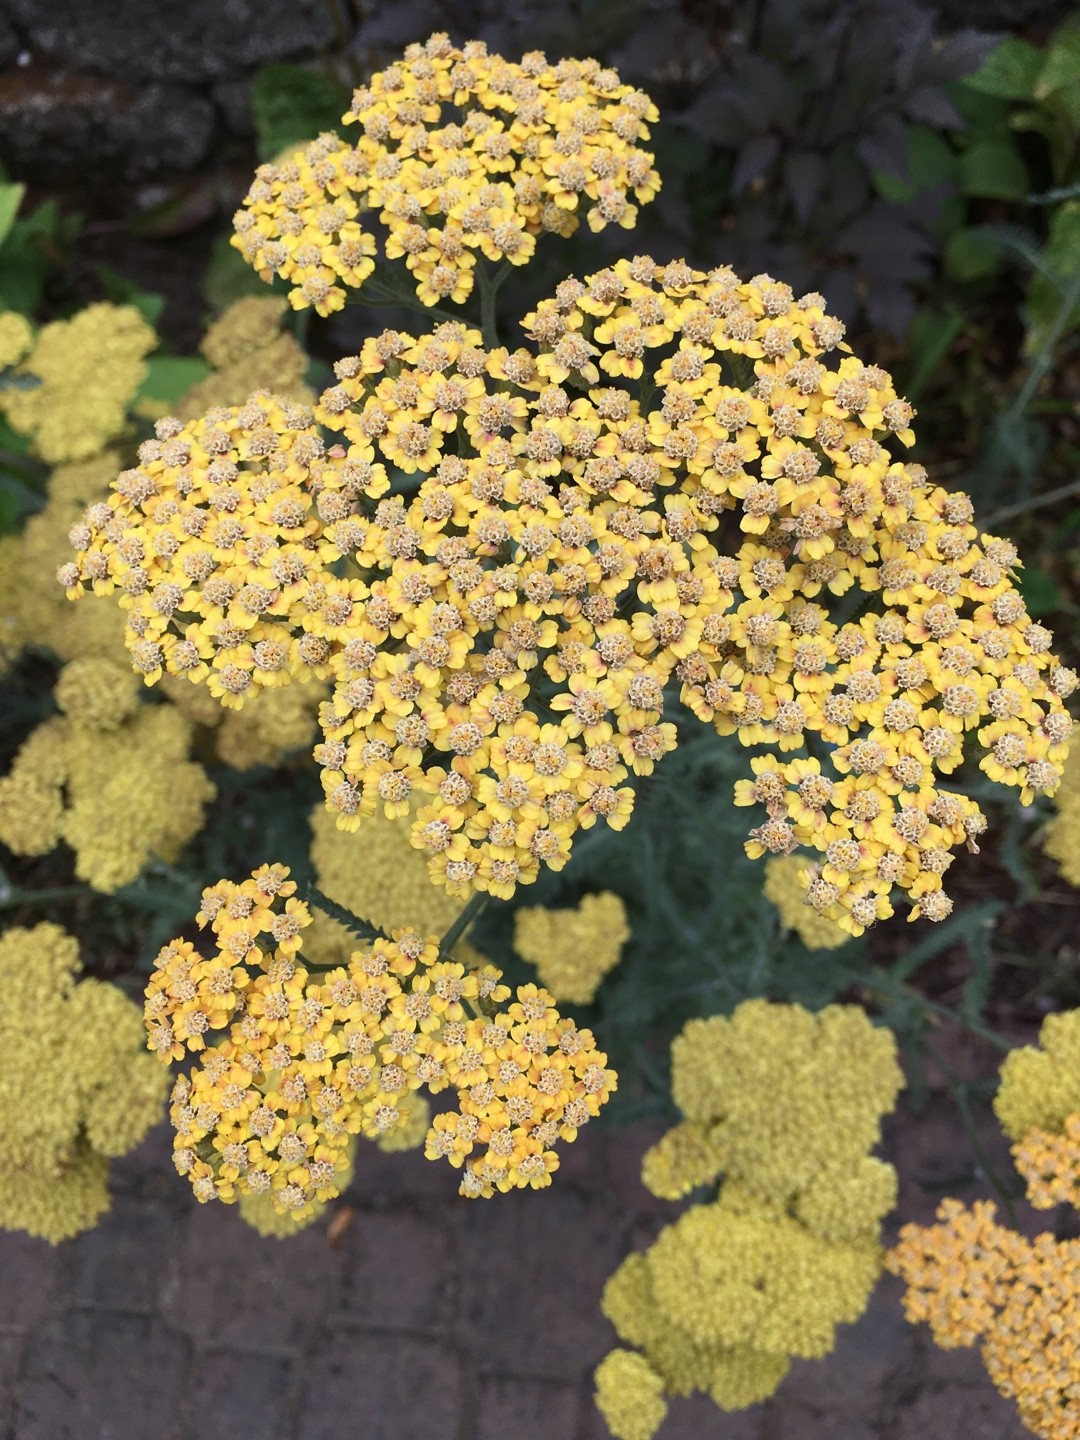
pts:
[429, 1318]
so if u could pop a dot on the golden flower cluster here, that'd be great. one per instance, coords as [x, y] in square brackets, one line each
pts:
[573, 949]
[110, 777]
[1062, 841]
[509, 640]
[463, 156]
[786, 1106]
[785, 887]
[248, 350]
[1038, 1104]
[76, 1087]
[972, 1279]
[89, 368]
[308, 1060]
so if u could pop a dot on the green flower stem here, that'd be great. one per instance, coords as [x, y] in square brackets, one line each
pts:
[488, 283]
[14, 898]
[469, 913]
[958, 1091]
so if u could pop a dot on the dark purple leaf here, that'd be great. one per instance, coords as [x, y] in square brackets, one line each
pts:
[753, 160]
[716, 115]
[916, 40]
[884, 147]
[804, 177]
[931, 104]
[954, 56]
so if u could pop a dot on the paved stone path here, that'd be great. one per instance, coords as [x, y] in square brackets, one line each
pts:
[433, 1318]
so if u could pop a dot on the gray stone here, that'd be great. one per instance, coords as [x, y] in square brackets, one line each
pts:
[237, 1289]
[975, 1414]
[241, 1397]
[396, 1272]
[89, 1378]
[60, 125]
[526, 1410]
[31, 1272]
[121, 1264]
[394, 1389]
[145, 40]
[535, 1312]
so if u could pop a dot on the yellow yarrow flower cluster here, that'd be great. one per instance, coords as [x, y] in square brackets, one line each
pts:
[248, 351]
[785, 1105]
[973, 1280]
[630, 1395]
[16, 338]
[90, 368]
[108, 776]
[1038, 1104]
[785, 886]
[32, 609]
[505, 642]
[75, 1087]
[1062, 841]
[573, 949]
[309, 1059]
[464, 156]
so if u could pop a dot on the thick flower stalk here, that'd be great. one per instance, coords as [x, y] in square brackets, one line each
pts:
[309, 1059]
[785, 1106]
[463, 156]
[76, 1088]
[510, 640]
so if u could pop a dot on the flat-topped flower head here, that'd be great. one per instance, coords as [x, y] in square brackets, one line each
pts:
[293, 1061]
[462, 157]
[667, 494]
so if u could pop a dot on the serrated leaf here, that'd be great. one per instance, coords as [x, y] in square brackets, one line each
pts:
[10, 199]
[929, 340]
[1061, 67]
[970, 254]
[291, 104]
[993, 170]
[168, 377]
[931, 159]
[1010, 71]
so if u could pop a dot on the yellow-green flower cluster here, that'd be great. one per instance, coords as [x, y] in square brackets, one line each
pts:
[110, 777]
[506, 641]
[786, 1106]
[16, 338]
[1062, 841]
[630, 1395]
[973, 1280]
[32, 609]
[1038, 1104]
[76, 1087]
[573, 949]
[89, 368]
[785, 886]
[248, 351]
[308, 1059]
[463, 156]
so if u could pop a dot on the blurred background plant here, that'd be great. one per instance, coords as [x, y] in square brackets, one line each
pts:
[924, 175]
